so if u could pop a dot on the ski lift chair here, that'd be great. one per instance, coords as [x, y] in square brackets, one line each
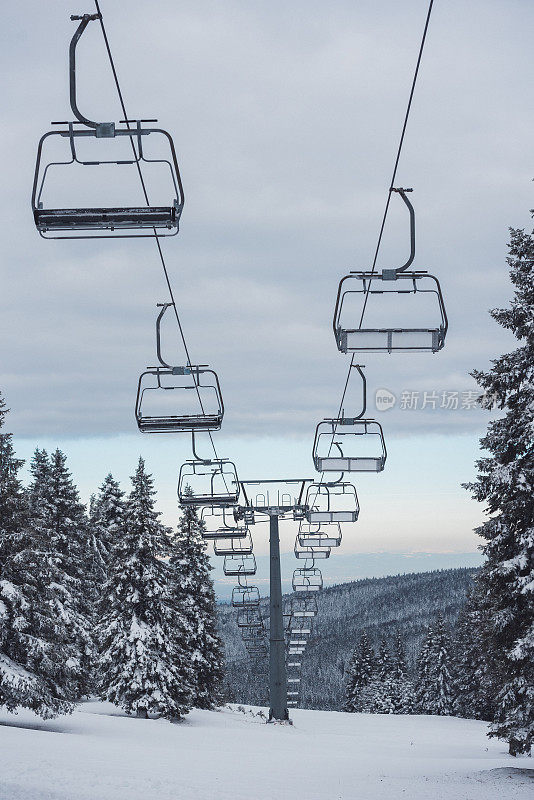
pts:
[307, 579]
[407, 307]
[239, 565]
[245, 596]
[315, 552]
[241, 545]
[313, 535]
[349, 444]
[332, 502]
[104, 138]
[335, 438]
[304, 606]
[254, 635]
[219, 523]
[212, 483]
[180, 399]
[256, 650]
[249, 617]
[301, 626]
[160, 394]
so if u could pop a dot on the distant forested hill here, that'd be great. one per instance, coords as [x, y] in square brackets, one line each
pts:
[380, 605]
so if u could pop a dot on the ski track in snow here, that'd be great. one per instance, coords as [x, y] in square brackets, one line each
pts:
[101, 754]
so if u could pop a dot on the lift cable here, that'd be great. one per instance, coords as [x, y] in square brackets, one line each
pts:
[386, 210]
[145, 193]
[296, 663]
[156, 236]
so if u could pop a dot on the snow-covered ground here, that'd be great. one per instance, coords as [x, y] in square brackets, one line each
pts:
[100, 754]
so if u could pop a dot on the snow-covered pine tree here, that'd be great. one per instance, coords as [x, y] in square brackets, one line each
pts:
[196, 599]
[57, 515]
[401, 688]
[425, 683]
[106, 510]
[505, 482]
[434, 686]
[474, 689]
[34, 644]
[398, 660]
[145, 665]
[441, 641]
[105, 516]
[384, 661]
[390, 691]
[360, 671]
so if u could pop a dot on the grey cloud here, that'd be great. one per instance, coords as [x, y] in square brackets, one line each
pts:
[286, 119]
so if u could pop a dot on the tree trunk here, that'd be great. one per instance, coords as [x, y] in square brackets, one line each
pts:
[142, 713]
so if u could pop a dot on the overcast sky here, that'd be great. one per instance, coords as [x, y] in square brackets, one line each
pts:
[286, 118]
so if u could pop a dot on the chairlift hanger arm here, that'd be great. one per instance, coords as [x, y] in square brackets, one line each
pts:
[84, 19]
[411, 210]
[164, 307]
[359, 370]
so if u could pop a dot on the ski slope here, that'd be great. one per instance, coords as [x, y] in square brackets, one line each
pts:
[100, 754]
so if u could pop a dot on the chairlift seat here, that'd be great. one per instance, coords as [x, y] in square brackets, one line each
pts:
[304, 606]
[248, 596]
[62, 223]
[230, 545]
[249, 617]
[332, 502]
[329, 536]
[336, 438]
[214, 483]
[71, 219]
[318, 541]
[224, 533]
[159, 385]
[239, 565]
[314, 553]
[307, 579]
[370, 286]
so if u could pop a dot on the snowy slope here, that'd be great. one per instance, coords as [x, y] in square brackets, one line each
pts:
[100, 754]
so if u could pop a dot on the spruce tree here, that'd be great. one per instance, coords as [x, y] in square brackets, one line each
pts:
[57, 515]
[384, 661]
[196, 600]
[390, 691]
[505, 483]
[360, 672]
[105, 515]
[398, 665]
[441, 641]
[35, 654]
[425, 684]
[145, 661]
[106, 510]
[434, 687]
[474, 689]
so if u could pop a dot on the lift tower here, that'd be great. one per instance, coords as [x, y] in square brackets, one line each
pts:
[275, 499]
